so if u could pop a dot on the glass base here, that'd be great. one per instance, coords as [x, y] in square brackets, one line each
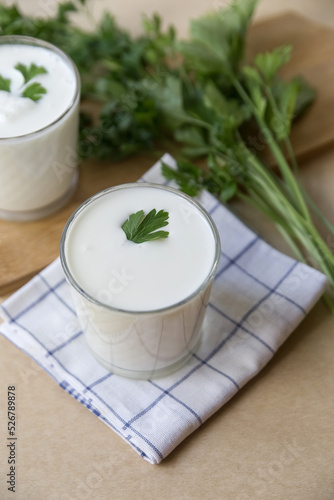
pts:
[150, 374]
[40, 213]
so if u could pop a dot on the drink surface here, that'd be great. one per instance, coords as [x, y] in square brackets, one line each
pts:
[21, 115]
[145, 276]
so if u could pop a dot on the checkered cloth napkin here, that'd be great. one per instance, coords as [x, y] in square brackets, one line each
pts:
[258, 298]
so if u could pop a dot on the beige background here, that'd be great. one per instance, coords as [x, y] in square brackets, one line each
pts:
[273, 441]
[178, 12]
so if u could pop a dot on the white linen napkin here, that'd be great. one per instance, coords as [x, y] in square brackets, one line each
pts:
[258, 298]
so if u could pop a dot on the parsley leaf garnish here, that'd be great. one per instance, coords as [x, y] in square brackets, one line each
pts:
[4, 84]
[34, 91]
[30, 72]
[140, 227]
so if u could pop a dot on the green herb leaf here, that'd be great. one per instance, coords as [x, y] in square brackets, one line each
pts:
[254, 83]
[270, 62]
[218, 38]
[34, 91]
[285, 96]
[190, 135]
[64, 9]
[140, 227]
[305, 97]
[231, 111]
[170, 101]
[187, 176]
[5, 84]
[30, 72]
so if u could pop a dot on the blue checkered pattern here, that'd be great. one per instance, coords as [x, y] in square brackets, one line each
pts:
[258, 298]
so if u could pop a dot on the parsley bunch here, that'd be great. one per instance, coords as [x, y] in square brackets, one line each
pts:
[202, 93]
[116, 72]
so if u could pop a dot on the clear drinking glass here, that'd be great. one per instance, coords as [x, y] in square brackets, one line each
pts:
[141, 344]
[38, 170]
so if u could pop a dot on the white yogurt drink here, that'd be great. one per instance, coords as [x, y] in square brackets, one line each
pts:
[141, 306]
[38, 137]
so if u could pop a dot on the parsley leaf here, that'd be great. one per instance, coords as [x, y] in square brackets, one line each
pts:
[140, 227]
[30, 72]
[270, 62]
[4, 84]
[34, 91]
[188, 177]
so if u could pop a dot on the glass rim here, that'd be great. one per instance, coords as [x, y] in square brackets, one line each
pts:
[97, 302]
[37, 42]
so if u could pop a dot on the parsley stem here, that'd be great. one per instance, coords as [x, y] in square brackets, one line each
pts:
[284, 167]
[265, 193]
[307, 197]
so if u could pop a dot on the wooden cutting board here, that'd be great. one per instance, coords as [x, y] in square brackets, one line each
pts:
[26, 248]
[313, 58]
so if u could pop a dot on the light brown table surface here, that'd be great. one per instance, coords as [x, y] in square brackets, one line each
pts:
[274, 440]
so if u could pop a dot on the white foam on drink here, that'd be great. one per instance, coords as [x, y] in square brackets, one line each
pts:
[146, 276]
